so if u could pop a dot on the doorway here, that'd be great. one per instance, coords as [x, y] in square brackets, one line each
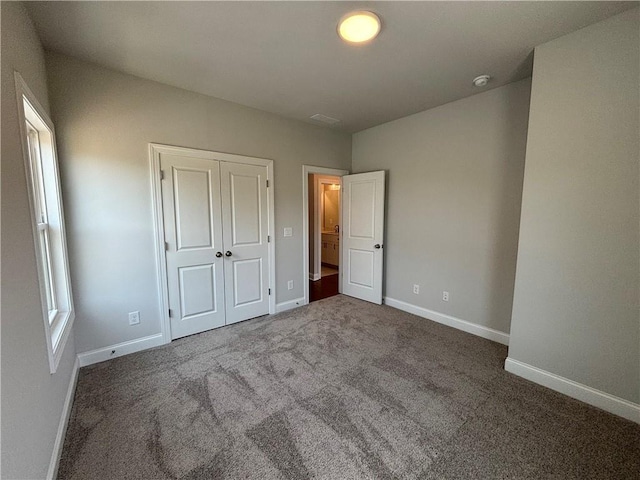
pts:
[321, 229]
[360, 233]
[324, 229]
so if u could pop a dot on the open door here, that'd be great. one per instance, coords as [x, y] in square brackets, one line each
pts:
[362, 235]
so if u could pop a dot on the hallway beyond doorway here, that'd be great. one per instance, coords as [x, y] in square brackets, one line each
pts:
[326, 287]
[326, 270]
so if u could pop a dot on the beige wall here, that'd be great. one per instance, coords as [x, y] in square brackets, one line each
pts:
[105, 121]
[453, 206]
[32, 398]
[576, 312]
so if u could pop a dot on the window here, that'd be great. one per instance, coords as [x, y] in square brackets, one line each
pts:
[41, 168]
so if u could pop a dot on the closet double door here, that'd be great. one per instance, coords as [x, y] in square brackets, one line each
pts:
[215, 226]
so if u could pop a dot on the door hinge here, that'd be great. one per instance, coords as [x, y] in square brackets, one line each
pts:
[161, 174]
[170, 314]
[269, 291]
[268, 238]
[166, 245]
[267, 183]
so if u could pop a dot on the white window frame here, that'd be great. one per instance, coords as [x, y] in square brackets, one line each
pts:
[47, 220]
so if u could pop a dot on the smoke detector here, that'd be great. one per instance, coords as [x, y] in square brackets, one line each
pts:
[318, 117]
[481, 80]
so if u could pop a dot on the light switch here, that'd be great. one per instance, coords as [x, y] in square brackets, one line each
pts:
[288, 231]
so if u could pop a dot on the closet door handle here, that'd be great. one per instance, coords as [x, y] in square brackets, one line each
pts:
[218, 254]
[376, 246]
[227, 253]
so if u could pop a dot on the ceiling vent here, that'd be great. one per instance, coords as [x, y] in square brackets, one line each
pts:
[318, 117]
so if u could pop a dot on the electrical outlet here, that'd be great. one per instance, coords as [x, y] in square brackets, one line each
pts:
[416, 289]
[290, 284]
[288, 231]
[445, 296]
[134, 318]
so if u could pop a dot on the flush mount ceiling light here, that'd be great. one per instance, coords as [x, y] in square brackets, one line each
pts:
[359, 27]
[481, 80]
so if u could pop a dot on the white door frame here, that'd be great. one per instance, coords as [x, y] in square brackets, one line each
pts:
[155, 150]
[306, 170]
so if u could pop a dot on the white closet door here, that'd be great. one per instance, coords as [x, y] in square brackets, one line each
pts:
[193, 233]
[245, 227]
[362, 235]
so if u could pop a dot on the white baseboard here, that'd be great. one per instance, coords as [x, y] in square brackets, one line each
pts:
[474, 328]
[284, 306]
[120, 349]
[314, 277]
[52, 473]
[597, 398]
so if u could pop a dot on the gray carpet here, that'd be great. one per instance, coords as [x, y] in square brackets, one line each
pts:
[340, 389]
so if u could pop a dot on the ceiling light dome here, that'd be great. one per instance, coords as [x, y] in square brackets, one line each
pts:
[359, 27]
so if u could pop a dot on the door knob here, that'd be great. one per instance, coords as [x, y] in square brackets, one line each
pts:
[218, 254]
[227, 253]
[377, 245]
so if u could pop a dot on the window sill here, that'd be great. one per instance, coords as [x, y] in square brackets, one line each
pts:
[60, 329]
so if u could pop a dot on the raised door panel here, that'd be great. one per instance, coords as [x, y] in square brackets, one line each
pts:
[193, 208]
[247, 277]
[361, 199]
[361, 271]
[197, 286]
[246, 207]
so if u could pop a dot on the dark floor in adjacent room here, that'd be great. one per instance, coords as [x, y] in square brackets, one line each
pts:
[339, 389]
[324, 288]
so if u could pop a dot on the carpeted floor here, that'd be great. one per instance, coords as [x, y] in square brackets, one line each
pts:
[340, 389]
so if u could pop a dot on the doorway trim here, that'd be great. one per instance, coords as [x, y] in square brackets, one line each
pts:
[306, 170]
[155, 150]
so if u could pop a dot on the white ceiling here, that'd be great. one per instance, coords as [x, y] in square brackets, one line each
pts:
[286, 58]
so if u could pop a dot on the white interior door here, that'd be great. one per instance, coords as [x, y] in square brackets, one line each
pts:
[193, 233]
[362, 235]
[245, 227]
